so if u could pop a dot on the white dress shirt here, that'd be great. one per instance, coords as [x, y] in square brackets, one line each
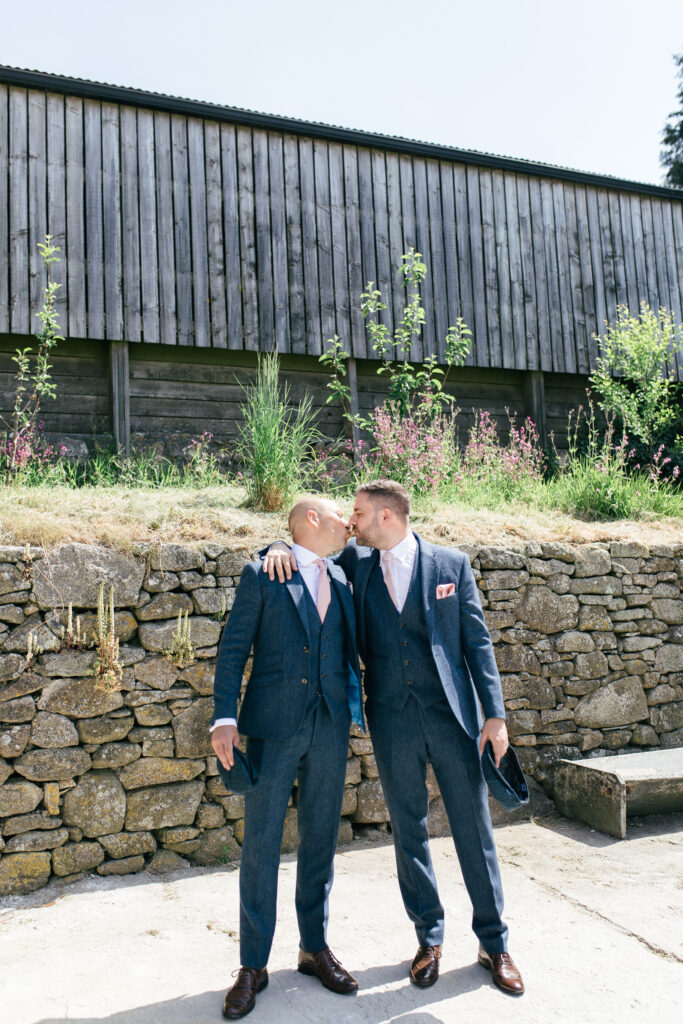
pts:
[401, 566]
[310, 573]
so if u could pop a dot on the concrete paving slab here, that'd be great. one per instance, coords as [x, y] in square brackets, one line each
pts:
[595, 926]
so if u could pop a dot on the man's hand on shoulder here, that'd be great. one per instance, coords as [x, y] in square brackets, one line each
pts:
[496, 731]
[281, 560]
[223, 739]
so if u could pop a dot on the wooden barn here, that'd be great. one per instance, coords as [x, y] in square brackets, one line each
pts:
[195, 236]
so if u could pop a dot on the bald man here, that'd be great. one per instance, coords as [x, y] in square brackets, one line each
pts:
[303, 692]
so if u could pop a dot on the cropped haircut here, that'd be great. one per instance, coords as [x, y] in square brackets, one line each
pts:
[389, 494]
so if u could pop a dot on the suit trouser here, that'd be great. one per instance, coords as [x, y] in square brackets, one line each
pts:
[316, 755]
[403, 742]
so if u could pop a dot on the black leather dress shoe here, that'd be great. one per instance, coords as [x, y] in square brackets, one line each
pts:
[504, 972]
[324, 965]
[241, 998]
[424, 969]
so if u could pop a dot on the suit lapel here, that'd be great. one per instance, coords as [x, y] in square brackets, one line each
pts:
[295, 588]
[430, 574]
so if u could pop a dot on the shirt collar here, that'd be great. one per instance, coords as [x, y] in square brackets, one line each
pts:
[304, 556]
[404, 551]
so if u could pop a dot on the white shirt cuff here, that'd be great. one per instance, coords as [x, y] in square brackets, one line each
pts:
[223, 721]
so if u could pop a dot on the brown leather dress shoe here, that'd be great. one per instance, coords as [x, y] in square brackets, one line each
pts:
[505, 974]
[241, 998]
[424, 969]
[324, 965]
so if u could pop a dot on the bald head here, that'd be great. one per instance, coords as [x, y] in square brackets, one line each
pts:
[318, 524]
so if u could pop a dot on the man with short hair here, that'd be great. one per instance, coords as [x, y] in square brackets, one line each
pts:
[428, 662]
[303, 690]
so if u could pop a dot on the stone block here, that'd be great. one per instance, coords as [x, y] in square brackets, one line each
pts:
[51, 797]
[210, 815]
[615, 739]
[574, 642]
[126, 866]
[553, 549]
[175, 558]
[622, 702]
[73, 573]
[213, 602]
[14, 739]
[67, 664]
[125, 624]
[165, 606]
[591, 562]
[371, 806]
[591, 666]
[596, 585]
[159, 673]
[200, 677]
[217, 846]
[174, 804]
[28, 683]
[11, 666]
[191, 729]
[157, 636]
[667, 717]
[53, 731]
[539, 694]
[33, 842]
[662, 694]
[628, 549]
[104, 729]
[21, 873]
[232, 561]
[23, 709]
[76, 857]
[547, 612]
[516, 658]
[233, 806]
[165, 861]
[368, 764]
[156, 771]
[504, 579]
[353, 774]
[290, 833]
[29, 823]
[349, 801]
[153, 714]
[669, 658]
[524, 721]
[644, 736]
[78, 698]
[43, 637]
[160, 582]
[50, 765]
[12, 614]
[128, 844]
[97, 805]
[115, 755]
[549, 567]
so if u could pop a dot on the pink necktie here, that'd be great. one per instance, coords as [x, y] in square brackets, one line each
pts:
[324, 595]
[387, 560]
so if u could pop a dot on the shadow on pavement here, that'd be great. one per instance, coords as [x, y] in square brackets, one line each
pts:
[291, 997]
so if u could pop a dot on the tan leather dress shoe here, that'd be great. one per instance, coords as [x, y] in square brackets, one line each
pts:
[241, 998]
[424, 969]
[505, 974]
[324, 965]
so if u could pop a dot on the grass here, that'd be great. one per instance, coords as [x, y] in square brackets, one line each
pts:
[120, 517]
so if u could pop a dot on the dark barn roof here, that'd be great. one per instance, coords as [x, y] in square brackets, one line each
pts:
[182, 222]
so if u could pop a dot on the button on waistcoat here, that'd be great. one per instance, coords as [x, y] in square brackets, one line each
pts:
[327, 675]
[399, 657]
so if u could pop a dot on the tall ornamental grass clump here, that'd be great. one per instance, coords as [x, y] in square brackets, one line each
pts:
[594, 480]
[276, 440]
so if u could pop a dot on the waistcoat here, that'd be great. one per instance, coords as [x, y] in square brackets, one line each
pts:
[399, 658]
[328, 672]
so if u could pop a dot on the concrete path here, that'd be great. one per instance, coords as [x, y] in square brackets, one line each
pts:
[596, 927]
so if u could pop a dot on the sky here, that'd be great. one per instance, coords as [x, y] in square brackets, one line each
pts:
[587, 85]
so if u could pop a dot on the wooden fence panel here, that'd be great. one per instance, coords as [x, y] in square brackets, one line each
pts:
[186, 229]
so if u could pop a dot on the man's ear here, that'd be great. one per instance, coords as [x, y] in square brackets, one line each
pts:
[313, 517]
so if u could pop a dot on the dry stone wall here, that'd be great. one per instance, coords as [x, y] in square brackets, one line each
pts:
[589, 641]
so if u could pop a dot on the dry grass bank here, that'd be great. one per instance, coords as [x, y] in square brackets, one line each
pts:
[119, 517]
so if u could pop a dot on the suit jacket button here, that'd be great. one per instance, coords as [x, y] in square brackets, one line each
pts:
[304, 681]
[406, 662]
[305, 650]
[410, 682]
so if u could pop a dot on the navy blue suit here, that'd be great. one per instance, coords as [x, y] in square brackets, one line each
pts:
[427, 669]
[301, 695]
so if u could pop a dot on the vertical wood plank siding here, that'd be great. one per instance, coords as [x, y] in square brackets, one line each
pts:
[180, 230]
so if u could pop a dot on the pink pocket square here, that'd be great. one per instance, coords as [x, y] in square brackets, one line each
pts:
[445, 590]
